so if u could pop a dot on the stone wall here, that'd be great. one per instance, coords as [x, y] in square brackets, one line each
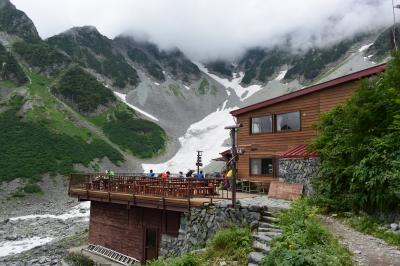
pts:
[299, 170]
[201, 223]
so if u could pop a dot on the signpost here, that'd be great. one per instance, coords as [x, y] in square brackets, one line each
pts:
[198, 162]
[233, 132]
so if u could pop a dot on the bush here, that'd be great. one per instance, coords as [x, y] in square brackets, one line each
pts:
[11, 70]
[305, 241]
[32, 189]
[83, 91]
[29, 149]
[142, 137]
[230, 244]
[39, 54]
[359, 144]
[79, 260]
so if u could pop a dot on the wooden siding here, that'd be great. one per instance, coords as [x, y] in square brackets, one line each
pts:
[263, 145]
[123, 229]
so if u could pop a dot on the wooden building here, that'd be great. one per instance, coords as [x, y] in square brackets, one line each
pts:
[284, 125]
[130, 213]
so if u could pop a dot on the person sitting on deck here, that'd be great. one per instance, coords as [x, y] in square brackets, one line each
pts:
[189, 173]
[200, 176]
[151, 173]
[165, 176]
[181, 175]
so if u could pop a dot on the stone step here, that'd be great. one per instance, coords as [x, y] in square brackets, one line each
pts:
[262, 238]
[267, 225]
[252, 264]
[270, 234]
[268, 229]
[261, 247]
[256, 257]
[269, 219]
[267, 213]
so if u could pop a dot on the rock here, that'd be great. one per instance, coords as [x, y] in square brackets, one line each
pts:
[254, 225]
[255, 257]
[394, 226]
[42, 260]
[11, 237]
[222, 263]
[357, 252]
[5, 220]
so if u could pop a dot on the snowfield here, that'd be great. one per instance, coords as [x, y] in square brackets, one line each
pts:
[281, 75]
[122, 97]
[207, 135]
[242, 92]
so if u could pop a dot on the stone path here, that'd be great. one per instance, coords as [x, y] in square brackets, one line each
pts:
[367, 250]
[266, 231]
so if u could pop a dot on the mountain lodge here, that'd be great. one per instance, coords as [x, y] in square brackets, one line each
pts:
[275, 133]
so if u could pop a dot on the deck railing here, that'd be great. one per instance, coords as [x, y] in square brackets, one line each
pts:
[139, 184]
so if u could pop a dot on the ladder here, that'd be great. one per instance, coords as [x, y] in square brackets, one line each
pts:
[111, 255]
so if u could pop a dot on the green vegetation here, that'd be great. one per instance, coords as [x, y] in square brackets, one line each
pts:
[140, 57]
[40, 55]
[382, 46]
[77, 259]
[371, 226]
[359, 144]
[92, 50]
[10, 69]
[220, 67]
[141, 137]
[204, 87]
[176, 90]
[29, 149]
[83, 91]
[305, 241]
[231, 244]
[14, 21]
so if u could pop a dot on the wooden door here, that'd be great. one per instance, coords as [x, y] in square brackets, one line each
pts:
[151, 244]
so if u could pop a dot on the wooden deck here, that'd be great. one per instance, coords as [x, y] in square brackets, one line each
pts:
[175, 194]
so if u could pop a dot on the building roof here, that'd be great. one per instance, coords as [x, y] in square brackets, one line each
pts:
[299, 151]
[318, 87]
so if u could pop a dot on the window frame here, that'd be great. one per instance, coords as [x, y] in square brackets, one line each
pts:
[259, 116]
[289, 130]
[261, 158]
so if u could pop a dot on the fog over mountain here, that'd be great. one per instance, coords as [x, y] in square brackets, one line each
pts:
[210, 29]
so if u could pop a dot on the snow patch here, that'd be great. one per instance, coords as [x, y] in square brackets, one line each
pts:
[187, 87]
[122, 96]
[242, 92]
[281, 75]
[156, 83]
[365, 47]
[82, 210]
[18, 246]
[207, 135]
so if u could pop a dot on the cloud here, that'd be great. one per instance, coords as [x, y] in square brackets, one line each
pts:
[210, 29]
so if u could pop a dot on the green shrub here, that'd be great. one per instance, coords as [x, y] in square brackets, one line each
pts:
[142, 137]
[305, 241]
[32, 189]
[41, 55]
[11, 70]
[83, 91]
[371, 226]
[30, 149]
[359, 144]
[79, 260]
[230, 244]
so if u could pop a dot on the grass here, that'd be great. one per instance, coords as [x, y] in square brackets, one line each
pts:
[371, 226]
[231, 244]
[76, 259]
[305, 241]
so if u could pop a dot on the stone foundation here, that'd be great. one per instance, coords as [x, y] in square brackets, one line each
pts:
[299, 170]
[201, 223]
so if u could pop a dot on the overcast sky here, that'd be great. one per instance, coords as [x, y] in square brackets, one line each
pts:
[206, 29]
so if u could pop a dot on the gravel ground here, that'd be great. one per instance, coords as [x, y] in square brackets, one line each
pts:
[367, 250]
[53, 218]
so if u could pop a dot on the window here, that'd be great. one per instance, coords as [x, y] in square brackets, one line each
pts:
[261, 166]
[261, 124]
[288, 121]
